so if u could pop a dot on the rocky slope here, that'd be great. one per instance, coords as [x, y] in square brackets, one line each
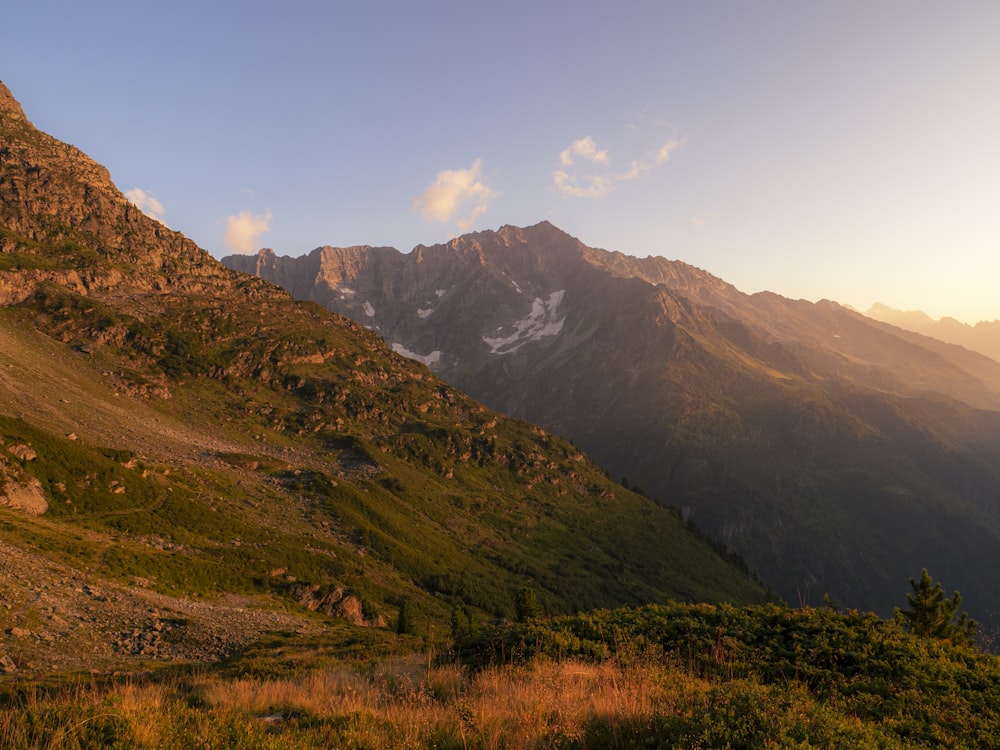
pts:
[220, 461]
[834, 453]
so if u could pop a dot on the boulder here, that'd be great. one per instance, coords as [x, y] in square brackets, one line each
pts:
[26, 495]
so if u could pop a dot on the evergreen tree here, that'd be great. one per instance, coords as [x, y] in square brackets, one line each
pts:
[405, 624]
[931, 615]
[461, 622]
[526, 605]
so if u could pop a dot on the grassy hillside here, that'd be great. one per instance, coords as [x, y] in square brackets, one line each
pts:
[230, 460]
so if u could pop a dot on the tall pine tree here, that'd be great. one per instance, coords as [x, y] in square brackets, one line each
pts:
[932, 615]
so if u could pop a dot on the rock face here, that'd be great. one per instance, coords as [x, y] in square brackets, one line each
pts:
[454, 306]
[27, 496]
[799, 433]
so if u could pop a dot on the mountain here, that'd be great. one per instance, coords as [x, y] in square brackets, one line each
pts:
[983, 337]
[834, 454]
[189, 459]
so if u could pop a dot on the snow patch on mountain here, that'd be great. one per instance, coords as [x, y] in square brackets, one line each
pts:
[516, 286]
[424, 314]
[369, 310]
[430, 360]
[542, 321]
[440, 292]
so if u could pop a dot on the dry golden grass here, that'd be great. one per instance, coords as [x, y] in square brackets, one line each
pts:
[497, 708]
[401, 704]
[407, 704]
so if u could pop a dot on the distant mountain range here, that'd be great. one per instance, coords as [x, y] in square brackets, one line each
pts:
[837, 454]
[189, 459]
[983, 337]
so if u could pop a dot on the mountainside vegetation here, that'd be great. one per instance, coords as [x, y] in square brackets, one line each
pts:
[833, 453]
[675, 675]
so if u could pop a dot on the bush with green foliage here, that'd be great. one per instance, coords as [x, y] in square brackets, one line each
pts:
[921, 691]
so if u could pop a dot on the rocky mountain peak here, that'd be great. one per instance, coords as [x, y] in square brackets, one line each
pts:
[887, 314]
[9, 106]
[66, 222]
[543, 231]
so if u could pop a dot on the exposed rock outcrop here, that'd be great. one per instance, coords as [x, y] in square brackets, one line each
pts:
[334, 601]
[65, 222]
[9, 106]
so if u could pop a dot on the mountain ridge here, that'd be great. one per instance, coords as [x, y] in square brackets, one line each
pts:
[983, 337]
[755, 415]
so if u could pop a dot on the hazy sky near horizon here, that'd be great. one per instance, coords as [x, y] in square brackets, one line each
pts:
[845, 150]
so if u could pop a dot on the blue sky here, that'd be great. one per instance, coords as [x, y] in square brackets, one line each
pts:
[846, 150]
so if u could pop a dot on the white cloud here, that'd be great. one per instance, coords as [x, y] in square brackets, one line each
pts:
[592, 182]
[585, 147]
[147, 204]
[586, 186]
[457, 195]
[243, 229]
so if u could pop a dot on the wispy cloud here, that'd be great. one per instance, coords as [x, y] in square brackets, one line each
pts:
[650, 161]
[458, 195]
[146, 203]
[596, 178]
[243, 229]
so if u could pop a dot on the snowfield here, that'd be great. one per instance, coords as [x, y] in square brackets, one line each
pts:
[542, 321]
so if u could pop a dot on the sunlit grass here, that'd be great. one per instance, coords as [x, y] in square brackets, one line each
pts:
[407, 703]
